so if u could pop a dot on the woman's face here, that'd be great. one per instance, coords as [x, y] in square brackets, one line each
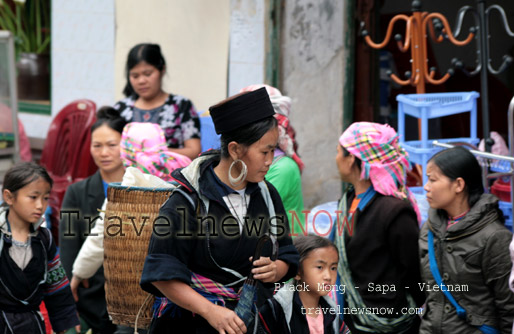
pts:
[146, 80]
[105, 148]
[259, 156]
[441, 190]
[344, 164]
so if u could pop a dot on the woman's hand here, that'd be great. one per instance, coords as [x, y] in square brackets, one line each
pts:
[268, 271]
[224, 320]
[265, 270]
[74, 285]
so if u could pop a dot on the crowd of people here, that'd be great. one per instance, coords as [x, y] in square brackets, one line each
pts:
[382, 271]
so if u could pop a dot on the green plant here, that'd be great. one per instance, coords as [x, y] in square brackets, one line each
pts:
[29, 21]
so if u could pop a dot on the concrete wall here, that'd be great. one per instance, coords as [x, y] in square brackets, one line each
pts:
[82, 58]
[313, 72]
[247, 63]
[193, 36]
[91, 39]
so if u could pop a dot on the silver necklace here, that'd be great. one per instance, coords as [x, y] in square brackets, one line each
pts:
[25, 246]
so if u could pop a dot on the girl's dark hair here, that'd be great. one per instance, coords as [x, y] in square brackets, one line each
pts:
[357, 162]
[246, 135]
[459, 162]
[149, 53]
[110, 117]
[305, 244]
[21, 174]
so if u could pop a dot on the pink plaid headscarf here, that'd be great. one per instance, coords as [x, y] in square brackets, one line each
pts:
[286, 136]
[143, 146]
[384, 162]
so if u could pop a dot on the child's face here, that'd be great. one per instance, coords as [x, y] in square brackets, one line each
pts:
[319, 270]
[29, 203]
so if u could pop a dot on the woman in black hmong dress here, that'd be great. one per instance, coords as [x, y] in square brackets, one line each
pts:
[199, 253]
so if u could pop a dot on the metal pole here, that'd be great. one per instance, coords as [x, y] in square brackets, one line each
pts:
[486, 155]
[418, 62]
[510, 118]
[484, 61]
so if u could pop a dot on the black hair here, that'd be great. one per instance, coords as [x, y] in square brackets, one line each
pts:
[21, 174]
[246, 135]
[459, 162]
[149, 53]
[110, 117]
[305, 244]
[357, 162]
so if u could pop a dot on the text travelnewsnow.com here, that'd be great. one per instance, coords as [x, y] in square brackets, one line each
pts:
[360, 310]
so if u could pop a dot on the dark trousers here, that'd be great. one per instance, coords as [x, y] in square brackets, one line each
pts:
[20, 323]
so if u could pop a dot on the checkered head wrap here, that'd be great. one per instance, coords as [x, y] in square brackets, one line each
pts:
[384, 162]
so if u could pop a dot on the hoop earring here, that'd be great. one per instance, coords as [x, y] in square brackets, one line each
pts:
[235, 181]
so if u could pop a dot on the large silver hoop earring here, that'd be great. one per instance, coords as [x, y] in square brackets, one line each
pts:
[235, 181]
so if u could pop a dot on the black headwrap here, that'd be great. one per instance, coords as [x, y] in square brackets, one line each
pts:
[240, 110]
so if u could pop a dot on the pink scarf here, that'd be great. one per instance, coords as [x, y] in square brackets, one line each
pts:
[143, 146]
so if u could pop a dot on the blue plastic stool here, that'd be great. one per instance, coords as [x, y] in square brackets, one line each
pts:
[210, 140]
[429, 106]
[322, 218]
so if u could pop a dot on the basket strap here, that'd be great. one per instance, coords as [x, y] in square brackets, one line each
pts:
[269, 203]
[273, 230]
[205, 202]
[194, 204]
[186, 195]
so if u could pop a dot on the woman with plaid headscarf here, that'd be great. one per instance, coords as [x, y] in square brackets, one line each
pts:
[377, 233]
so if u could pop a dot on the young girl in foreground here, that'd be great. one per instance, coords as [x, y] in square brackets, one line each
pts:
[30, 267]
[302, 305]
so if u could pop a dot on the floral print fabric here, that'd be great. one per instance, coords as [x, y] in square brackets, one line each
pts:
[177, 117]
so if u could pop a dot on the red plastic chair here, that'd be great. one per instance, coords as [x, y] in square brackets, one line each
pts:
[66, 155]
[68, 139]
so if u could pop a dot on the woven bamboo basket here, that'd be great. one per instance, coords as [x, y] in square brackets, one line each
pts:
[125, 249]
